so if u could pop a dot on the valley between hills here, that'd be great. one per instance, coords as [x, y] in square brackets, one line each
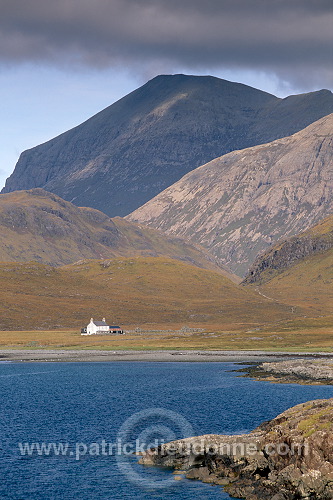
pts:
[163, 300]
[235, 254]
[165, 303]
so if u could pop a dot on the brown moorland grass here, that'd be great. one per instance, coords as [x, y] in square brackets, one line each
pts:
[306, 335]
[162, 303]
[134, 291]
[308, 284]
[39, 226]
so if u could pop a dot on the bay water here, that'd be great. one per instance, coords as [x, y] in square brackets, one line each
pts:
[69, 430]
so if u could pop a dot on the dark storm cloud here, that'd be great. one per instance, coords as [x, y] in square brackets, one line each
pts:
[292, 39]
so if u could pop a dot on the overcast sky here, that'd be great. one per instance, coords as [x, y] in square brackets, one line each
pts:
[61, 61]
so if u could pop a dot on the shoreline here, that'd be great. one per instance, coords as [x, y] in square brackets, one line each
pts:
[287, 457]
[300, 371]
[58, 355]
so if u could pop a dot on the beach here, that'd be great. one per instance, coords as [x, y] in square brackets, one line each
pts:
[90, 355]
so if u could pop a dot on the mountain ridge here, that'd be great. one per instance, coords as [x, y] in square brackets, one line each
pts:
[316, 240]
[40, 226]
[243, 202]
[127, 153]
[299, 271]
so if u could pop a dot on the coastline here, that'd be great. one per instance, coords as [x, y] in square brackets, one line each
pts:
[300, 371]
[58, 355]
[285, 458]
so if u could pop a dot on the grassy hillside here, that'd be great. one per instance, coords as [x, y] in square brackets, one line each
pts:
[39, 226]
[307, 284]
[315, 241]
[130, 291]
[299, 270]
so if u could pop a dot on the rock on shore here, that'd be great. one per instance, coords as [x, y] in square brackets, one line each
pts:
[296, 370]
[287, 458]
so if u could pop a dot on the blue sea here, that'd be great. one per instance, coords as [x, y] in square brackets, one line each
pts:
[68, 430]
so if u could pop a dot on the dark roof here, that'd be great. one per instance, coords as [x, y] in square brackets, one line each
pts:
[100, 323]
[115, 327]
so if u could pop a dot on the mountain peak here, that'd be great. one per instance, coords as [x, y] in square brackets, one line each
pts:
[126, 154]
[206, 83]
[241, 203]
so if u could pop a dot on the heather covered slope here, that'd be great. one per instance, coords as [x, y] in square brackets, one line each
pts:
[241, 203]
[129, 152]
[39, 226]
[299, 270]
[132, 291]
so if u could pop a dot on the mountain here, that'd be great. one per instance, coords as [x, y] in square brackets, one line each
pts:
[129, 152]
[39, 226]
[133, 291]
[299, 270]
[241, 203]
[314, 243]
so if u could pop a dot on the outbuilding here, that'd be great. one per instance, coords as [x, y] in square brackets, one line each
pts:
[116, 329]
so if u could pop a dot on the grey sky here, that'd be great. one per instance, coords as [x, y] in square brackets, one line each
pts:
[291, 39]
[61, 61]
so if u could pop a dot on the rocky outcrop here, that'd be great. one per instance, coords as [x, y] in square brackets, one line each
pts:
[39, 226]
[288, 458]
[300, 371]
[240, 204]
[280, 257]
[126, 154]
[299, 271]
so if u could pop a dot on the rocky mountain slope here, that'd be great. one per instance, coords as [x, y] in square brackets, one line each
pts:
[316, 242]
[299, 270]
[241, 203]
[286, 458]
[39, 226]
[132, 291]
[129, 152]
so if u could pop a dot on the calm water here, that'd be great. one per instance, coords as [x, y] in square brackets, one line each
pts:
[86, 403]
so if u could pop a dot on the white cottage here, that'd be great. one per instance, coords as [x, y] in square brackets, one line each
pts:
[100, 328]
[96, 327]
